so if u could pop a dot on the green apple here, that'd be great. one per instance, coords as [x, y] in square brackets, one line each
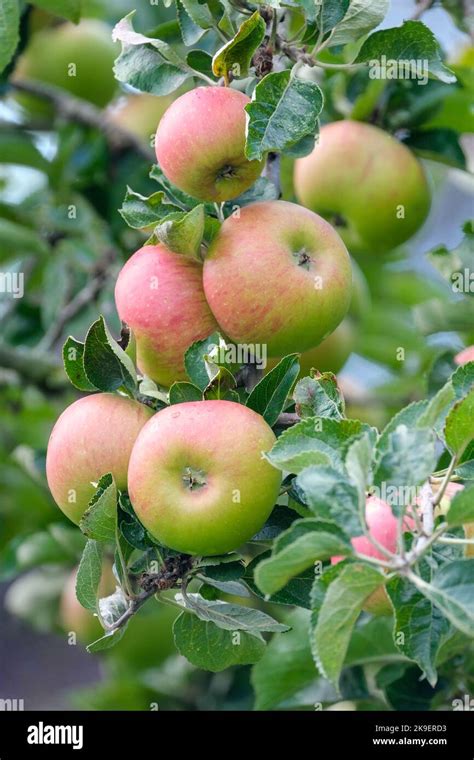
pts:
[140, 113]
[367, 183]
[278, 275]
[200, 144]
[78, 59]
[159, 295]
[92, 437]
[197, 478]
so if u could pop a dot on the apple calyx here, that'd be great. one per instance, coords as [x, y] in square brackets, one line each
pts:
[194, 479]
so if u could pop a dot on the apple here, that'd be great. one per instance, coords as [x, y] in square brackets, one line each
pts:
[79, 59]
[383, 526]
[197, 478]
[465, 356]
[333, 352]
[367, 183]
[279, 275]
[200, 144]
[159, 294]
[139, 113]
[73, 617]
[92, 437]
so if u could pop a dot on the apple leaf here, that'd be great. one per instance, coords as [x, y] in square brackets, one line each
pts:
[182, 232]
[125, 33]
[286, 667]
[452, 591]
[236, 55]
[230, 617]
[305, 542]
[9, 30]
[199, 12]
[407, 461]
[269, 396]
[144, 213]
[200, 61]
[330, 496]
[209, 647]
[99, 521]
[412, 42]
[89, 574]
[463, 380]
[107, 641]
[280, 519]
[419, 626]
[360, 18]
[315, 441]
[181, 392]
[73, 358]
[452, 264]
[359, 463]
[284, 110]
[335, 612]
[438, 408]
[68, 9]
[196, 364]
[106, 365]
[461, 508]
[459, 428]
[331, 13]
[295, 593]
[409, 416]
[262, 190]
[319, 396]
[465, 471]
[190, 31]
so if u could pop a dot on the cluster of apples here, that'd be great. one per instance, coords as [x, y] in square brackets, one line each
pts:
[276, 274]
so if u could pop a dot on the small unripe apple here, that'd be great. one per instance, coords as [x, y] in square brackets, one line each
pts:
[159, 295]
[197, 478]
[277, 275]
[383, 527]
[367, 183]
[78, 58]
[200, 144]
[92, 437]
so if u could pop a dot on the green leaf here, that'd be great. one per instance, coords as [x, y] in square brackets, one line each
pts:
[144, 213]
[459, 428]
[304, 543]
[59, 544]
[284, 109]
[409, 459]
[359, 463]
[466, 470]
[9, 30]
[183, 233]
[286, 667]
[195, 360]
[319, 396]
[463, 380]
[230, 617]
[107, 641]
[99, 521]
[438, 144]
[236, 55]
[412, 42]
[461, 508]
[453, 262]
[69, 9]
[360, 18]
[435, 413]
[209, 647]
[106, 365]
[190, 31]
[200, 61]
[315, 441]
[182, 392]
[199, 12]
[269, 395]
[331, 14]
[330, 496]
[408, 416]
[89, 574]
[261, 190]
[452, 591]
[296, 592]
[73, 358]
[342, 604]
[419, 627]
